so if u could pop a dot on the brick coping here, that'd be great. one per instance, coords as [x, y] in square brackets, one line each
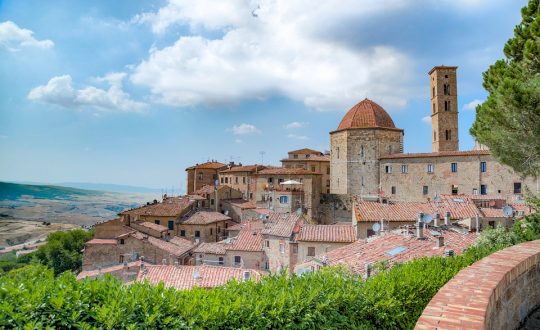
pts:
[464, 302]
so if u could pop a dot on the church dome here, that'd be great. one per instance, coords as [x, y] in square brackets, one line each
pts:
[366, 114]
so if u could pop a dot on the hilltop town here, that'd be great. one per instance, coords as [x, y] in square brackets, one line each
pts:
[363, 203]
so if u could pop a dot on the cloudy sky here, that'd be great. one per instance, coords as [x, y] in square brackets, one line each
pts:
[133, 92]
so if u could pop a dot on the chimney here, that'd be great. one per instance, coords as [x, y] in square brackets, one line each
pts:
[440, 241]
[447, 219]
[196, 275]
[164, 261]
[437, 219]
[419, 227]
[176, 264]
[477, 224]
[367, 270]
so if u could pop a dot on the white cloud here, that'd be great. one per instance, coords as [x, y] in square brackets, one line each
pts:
[426, 120]
[13, 37]
[238, 141]
[59, 90]
[297, 137]
[295, 124]
[274, 47]
[472, 105]
[244, 129]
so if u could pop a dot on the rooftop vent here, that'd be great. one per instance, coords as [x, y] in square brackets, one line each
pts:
[397, 250]
[448, 253]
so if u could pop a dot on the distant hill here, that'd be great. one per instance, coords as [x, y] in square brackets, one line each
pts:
[109, 187]
[14, 191]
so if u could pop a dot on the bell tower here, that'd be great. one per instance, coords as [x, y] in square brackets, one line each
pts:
[444, 108]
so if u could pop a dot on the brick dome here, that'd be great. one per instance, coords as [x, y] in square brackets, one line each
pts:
[366, 114]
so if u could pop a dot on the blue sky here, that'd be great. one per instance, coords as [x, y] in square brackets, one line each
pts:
[133, 92]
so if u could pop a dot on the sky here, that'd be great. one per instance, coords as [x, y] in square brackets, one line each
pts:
[132, 92]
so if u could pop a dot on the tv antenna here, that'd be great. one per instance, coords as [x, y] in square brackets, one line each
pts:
[376, 227]
[262, 156]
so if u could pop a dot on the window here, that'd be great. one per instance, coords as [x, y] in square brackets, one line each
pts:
[236, 180]
[433, 91]
[328, 170]
[214, 177]
[211, 231]
[517, 187]
[453, 167]
[337, 152]
[338, 182]
[170, 224]
[446, 89]
[157, 222]
[446, 76]
[227, 179]
[295, 156]
[284, 199]
[220, 261]
[362, 180]
[308, 155]
[388, 169]
[250, 195]
[183, 233]
[212, 201]
[328, 183]
[280, 180]
[122, 241]
[244, 180]
[483, 189]
[433, 107]
[361, 151]
[454, 189]
[393, 190]
[370, 233]
[448, 135]
[266, 265]
[237, 260]
[281, 247]
[221, 179]
[270, 180]
[218, 229]
[425, 190]
[483, 166]
[404, 168]
[312, 168]
[267, 243]
[447, 106]
[200, 176]
[294, 248]
[434, 136]
[121, 259]
[491, 224]
[430, 168]
[311, 251]
[475, 191]
[197, 233]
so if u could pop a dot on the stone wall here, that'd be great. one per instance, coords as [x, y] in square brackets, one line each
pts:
[334, 208]
[444, 117]
[279, 259]
[249, 259]
[497, 292]
[499, 179]
[213, 232]
[319, 247]
[109, 229]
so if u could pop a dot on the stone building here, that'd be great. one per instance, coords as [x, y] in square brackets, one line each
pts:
[204, 226]
[239, 210]
[279, 245]
[242, 178]
[313, 240]
[211, 197]
[203, 174]
[312, 160]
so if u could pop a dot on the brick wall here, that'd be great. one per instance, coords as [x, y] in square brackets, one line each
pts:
[497, 292]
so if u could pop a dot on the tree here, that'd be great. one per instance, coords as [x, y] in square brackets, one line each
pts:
[508, 122]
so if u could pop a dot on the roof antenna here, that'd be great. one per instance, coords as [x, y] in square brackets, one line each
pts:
[262, 156]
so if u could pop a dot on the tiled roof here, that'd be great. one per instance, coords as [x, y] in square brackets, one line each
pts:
[397, 248]
[205, 190]
[459, 208]
[205, 218]
[245, 168]
[212, 248]
[305, 151]
[249, 239]
[438, 154]
[101, 241]
[366, 114]
[286, 171]
[253, 223]
[170, 247]
[207, 166]
[492, 213]
[151, 225]
[182, 243]
[327, 233]
[485, 197]
[106, 270]
[282, 225]
[314, 158]
[172, 207]
[186, 277]
[241, 203]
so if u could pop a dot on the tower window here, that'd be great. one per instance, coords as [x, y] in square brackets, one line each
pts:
[483, 189]
[433, 91]
[446, 89]
[483, 166]
[453, 167]
[430, 168]
[433, 107]
[454, 189]
[404, 168]
[447, 106]
[517, 187]
[425, 190]
[337, 152]
[448, 135]
[434, 136]
[361, 151]
[388, 169]
[393, 190]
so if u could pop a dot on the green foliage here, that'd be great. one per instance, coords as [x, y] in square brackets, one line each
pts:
[508, 122]
[63, 250]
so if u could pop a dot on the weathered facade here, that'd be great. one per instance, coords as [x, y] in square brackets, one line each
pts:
[241, 178]
[204, 174]
[312, 160]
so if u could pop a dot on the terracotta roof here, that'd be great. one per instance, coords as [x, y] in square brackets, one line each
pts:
[205, 218]
[171, 207]
[170, 247]
[249, 239]
[366, 114]
[322, 158]
[241, 203]
[484, 197]
[186, 277]
[182, 243]
[492, 213]
[101, 241]
[437, 154]
[151, 225]
[207, 166]
[397, 248]
[282, 225]
[245, 168]
[106, 270]
[212, 248]
[442, 67]
[286, 171]
[305, 151]
[339, 233]
[459, 208]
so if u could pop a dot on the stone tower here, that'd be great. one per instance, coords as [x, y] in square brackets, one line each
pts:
[365, 133]
[444, 108]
